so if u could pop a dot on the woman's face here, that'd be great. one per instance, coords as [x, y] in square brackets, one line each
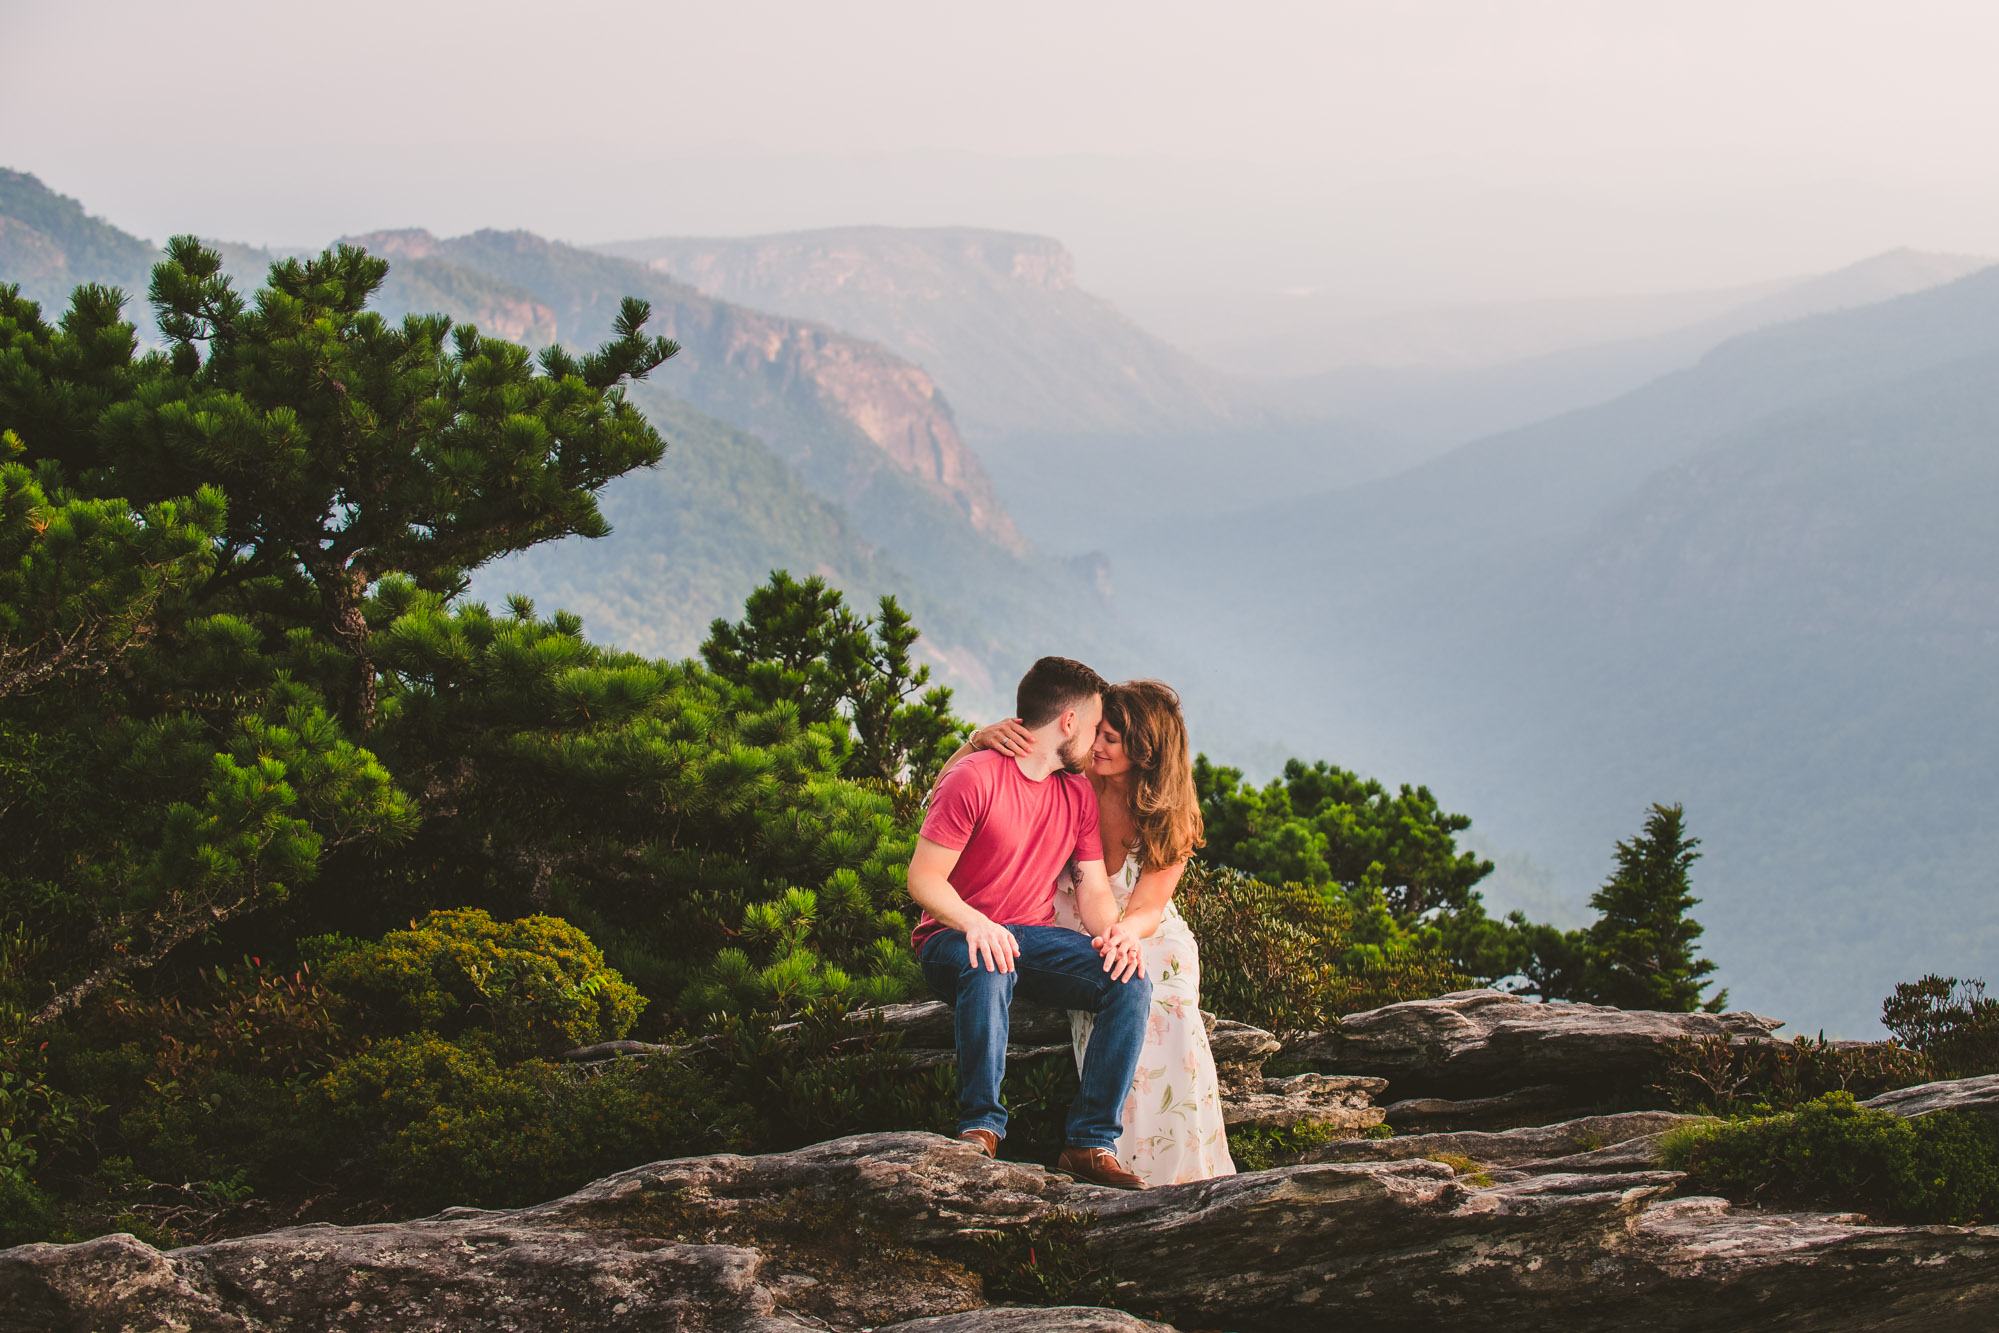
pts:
[1107, 756]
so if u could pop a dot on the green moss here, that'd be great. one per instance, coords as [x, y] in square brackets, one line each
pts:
[1464, 1168]
[1832, 1153]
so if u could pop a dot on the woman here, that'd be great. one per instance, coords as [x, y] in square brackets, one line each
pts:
[1151, 822]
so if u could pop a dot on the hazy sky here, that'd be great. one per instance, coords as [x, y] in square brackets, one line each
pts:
[1473, 149]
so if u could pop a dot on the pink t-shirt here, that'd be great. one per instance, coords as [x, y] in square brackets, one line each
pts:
[1013, 837]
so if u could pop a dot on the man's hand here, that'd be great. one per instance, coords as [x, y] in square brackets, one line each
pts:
[1119, 946]
[987, 939]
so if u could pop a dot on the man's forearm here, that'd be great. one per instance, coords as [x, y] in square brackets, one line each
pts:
[1097, 905]
[935, 895]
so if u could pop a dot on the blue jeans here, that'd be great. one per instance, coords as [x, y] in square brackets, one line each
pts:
[1056, 966]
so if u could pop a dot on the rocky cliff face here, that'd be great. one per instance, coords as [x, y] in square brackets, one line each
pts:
[784, 379]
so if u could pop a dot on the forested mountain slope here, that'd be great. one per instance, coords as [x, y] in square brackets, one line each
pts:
[690, 539]
[859, 427]
[851, 416]
[48, 244]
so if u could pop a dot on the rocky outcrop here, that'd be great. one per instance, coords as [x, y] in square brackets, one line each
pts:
[1474, 1044]
[1341, 1102]
[1962, 1094]
[876, 1229]
[1023, 1319]
[1421, 1115]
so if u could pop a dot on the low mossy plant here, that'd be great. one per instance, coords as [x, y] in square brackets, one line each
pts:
[1262, 1149]
[1046, 1262]
[1832, 1153]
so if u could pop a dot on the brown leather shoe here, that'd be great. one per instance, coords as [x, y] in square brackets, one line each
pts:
[984, 1140]
[1099, 1166]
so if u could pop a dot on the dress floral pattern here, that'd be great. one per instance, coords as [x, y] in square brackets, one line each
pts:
[1173, 1130]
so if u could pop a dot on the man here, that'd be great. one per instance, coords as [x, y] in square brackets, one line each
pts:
[1000, 829]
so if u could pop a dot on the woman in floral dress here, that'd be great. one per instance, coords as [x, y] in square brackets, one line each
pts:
[1173, 1130]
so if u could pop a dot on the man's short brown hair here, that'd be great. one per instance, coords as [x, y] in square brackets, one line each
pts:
[1052, 687]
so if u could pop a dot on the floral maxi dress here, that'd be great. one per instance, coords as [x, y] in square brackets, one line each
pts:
[1173, 1129]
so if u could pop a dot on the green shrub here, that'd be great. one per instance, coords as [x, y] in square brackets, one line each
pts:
[537, 984]
[26, 1213]
[1280, 956]
[822, 1076]
[438, 1122]
[1951, 1022]
[250, 1019]
[1832, 1153]
[1714, 1076]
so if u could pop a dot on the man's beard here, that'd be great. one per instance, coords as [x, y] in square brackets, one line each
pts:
[1073, 753]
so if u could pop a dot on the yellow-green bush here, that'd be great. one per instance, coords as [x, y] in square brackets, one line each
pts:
[537, 984]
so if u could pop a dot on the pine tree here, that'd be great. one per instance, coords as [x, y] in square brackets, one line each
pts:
[349, 448]
[191, 539]
[798, 643]
[1640, 952]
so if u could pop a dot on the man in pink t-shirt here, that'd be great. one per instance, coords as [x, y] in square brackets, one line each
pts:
[1000, 829]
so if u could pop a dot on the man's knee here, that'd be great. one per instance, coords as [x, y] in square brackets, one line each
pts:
[978, 985]
[1134, 994]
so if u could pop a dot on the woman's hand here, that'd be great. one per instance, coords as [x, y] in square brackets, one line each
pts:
[1007, 736]
[1123, 958]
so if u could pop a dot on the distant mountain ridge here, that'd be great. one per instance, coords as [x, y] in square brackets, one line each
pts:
[1436, 404]
[996, 317]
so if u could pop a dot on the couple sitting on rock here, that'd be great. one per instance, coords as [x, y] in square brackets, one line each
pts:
[1011, 875]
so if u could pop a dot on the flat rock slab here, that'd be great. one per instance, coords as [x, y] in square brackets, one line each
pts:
[1483, 1042]
[1508, 1148]
[874, 1230]
[1958, 1094]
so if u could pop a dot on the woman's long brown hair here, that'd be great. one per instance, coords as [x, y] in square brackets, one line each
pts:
[1165, 810]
